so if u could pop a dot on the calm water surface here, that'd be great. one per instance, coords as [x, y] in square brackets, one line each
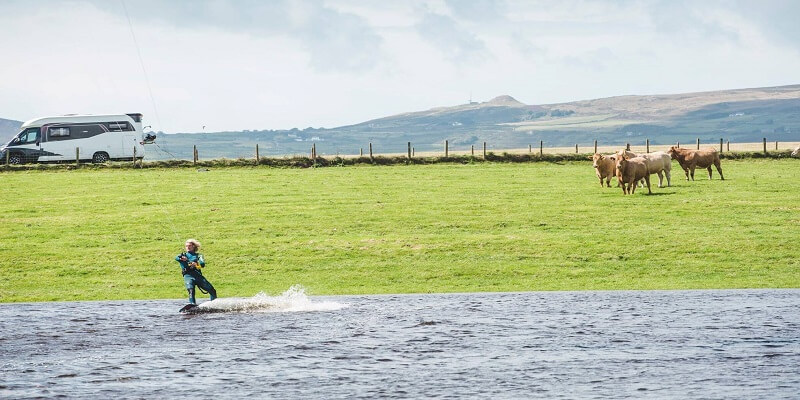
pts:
[675, 344]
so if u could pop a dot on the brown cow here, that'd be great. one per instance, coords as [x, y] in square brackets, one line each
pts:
[691, 159]
[605, 167]
[630, 171]
[658, 163]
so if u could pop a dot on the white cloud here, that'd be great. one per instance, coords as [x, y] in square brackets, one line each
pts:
[338, 41]
[458, 44]
[478, 10]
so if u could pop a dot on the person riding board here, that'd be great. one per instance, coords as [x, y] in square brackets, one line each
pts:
[191, 262]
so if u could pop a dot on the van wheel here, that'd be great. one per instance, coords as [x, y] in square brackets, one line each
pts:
[100, 157]
[15, 158]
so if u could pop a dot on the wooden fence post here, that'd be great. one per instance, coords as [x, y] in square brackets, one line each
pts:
[678, 144]
[595, 146]
[541, 148]
[647, 145]
[77, 156]
[765, 145]
[484, 150]
[370, 151]
[134, 156]
[776, 145]
[698, 143]
[728, 145]
[409, 150]
[361, 152]
[8, 154]
[530, 148]
[194, 154]
[576, 148]
[628, 146]
[258, 158]
[446, 148]
[473, 150]
[413, 151]
[720, 145]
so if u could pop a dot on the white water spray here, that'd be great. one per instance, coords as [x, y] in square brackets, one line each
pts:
[292, 300]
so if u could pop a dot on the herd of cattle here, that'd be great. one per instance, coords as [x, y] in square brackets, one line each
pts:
[631, 168]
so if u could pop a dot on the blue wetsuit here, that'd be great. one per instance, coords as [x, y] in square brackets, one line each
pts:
[193, 277]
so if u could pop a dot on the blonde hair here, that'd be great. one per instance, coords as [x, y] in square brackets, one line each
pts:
[194, 242]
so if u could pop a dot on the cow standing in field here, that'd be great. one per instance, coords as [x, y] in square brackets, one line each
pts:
[605, 167]
[630, 171]
[658, 162]
[691, 159]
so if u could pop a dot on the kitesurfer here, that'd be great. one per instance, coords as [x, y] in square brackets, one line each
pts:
[191, 262]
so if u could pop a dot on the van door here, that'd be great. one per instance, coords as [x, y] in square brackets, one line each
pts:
[57, 143]
[26, 147]
[128, 143]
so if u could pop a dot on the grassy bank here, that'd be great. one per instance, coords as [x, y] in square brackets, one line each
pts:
[101, 233]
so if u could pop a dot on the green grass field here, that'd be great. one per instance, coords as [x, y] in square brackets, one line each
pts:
[113, 234]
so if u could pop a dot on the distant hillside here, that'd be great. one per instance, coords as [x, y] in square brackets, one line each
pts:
[737, 115]
[463, 125]
[740, 115]
[8, 128]
[657, 107]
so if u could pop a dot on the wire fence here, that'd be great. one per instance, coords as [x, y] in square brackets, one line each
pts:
[160, 154]
[196, 152]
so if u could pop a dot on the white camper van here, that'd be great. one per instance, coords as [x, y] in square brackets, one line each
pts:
[98, 138]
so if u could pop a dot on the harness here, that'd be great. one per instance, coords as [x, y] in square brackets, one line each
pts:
[189, 269]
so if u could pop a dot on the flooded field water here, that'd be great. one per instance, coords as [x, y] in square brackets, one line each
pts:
[649, 344]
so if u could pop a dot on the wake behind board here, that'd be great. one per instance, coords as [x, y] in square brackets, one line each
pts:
[293, 300]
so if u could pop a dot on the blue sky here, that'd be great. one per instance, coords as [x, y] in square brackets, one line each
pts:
[232, 65]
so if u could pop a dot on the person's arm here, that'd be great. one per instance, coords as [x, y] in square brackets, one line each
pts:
[180, 259]
[201, 261]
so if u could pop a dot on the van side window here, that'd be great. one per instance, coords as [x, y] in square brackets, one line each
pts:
[86, 131]
[120, 126]
[54, 132]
